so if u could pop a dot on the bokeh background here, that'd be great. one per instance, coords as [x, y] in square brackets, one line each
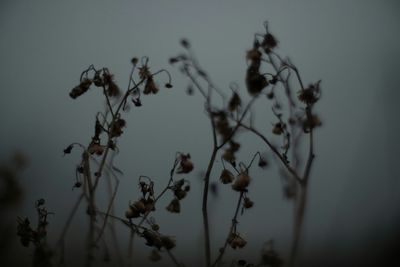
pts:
[352, 46]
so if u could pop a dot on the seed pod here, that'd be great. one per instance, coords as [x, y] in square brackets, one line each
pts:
[236, 241]
[226, 177]
[95, 148]
[241, 182]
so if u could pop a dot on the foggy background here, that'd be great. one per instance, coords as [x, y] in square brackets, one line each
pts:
[352, 46]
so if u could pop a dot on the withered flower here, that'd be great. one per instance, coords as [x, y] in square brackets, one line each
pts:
[174, 206]
[269, 42]
[113, 89]
[310, 95]
[152, 239]
[247, 203]
[242, 182]
[311, 123]
[81, 88]
[236, 241]
[116, 127]
[253, 55]
[131, 213]
[150, 86]
[95, 148]
[255, 82]
[226, 176]
[185, 165]
[144, 72]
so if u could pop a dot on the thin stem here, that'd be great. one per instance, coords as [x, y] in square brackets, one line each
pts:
[234, 223]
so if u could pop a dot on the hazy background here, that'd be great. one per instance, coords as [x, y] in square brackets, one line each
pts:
[352, 46]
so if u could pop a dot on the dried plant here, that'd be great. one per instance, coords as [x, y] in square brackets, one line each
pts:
[269, 77]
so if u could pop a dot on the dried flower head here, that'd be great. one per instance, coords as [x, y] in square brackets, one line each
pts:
[236, 241]
[268, 43]
[242, 182]
[247, 203]
[150, 86]
[255, 82]
[95, 148]
[80, 89]
[310, 95]
[185, 165]
[226, 176]
[174, 206]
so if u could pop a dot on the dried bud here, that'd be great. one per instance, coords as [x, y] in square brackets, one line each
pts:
[68, 149]
[185, 43]
[155, 227]
[242, 182]
[262, 163]
[152, 239]
[168, 85]
[134, 60]
[116, 128]
[226, 177]
[174, 206]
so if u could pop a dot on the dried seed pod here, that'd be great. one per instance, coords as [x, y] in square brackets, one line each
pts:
[242, 182]
[174, 206]
[262, 163]
[226, 176]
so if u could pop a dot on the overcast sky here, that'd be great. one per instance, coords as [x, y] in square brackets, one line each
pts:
[352, 46]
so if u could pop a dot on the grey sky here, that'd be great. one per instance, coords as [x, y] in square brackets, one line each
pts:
[352, 46]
